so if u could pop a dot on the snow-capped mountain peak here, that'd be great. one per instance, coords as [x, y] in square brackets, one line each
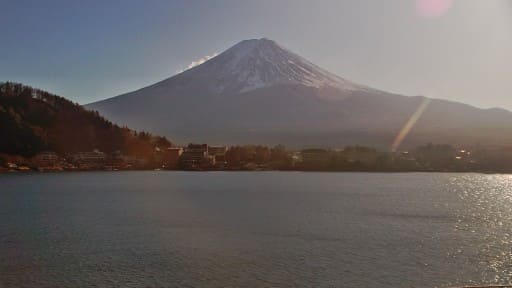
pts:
[260, 63]
[260, 92]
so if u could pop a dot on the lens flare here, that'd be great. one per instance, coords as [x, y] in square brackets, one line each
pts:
[409, 124]
[433, 8]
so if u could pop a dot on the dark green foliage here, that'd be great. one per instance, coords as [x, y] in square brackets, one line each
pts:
[32, 120]
[276, 157]
[436, 156]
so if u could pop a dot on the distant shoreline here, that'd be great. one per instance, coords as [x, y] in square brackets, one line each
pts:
[3, 172]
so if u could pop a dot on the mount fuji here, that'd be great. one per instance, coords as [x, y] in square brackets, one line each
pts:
[261, 93]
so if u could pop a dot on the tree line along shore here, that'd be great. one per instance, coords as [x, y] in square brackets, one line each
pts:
[202, 157]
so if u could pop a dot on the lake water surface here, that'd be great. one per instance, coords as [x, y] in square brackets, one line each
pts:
[254, 229]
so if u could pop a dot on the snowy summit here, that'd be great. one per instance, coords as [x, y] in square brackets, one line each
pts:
[261, 63]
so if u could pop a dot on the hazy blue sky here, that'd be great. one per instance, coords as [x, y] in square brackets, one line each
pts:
[90, 50]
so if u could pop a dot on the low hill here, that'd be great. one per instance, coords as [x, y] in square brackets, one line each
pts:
[32, 120]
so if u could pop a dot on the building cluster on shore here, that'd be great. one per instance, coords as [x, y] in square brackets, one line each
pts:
[202, 157]
[192, 157]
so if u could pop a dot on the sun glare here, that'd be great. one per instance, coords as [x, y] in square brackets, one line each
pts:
[433, 8]
[410, 124]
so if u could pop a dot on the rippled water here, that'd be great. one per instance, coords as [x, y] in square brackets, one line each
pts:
[179, 229]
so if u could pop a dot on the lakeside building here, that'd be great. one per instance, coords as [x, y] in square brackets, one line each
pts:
[12, 165]
[219, 153]
[315, 158]
[195, 157]
[133, 161]
[46, 159]
[404, 160]
[171, 157]
[122, 161]
[358, 154]
[89, 160]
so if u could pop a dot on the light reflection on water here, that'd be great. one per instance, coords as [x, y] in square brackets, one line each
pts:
[180, 229]
[487, 215]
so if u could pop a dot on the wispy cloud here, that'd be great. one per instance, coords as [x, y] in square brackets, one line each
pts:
[198, 62]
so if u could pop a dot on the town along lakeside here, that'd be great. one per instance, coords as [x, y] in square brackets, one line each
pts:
[202, 157]
[41, 131]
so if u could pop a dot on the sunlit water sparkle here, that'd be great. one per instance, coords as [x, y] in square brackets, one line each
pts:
[180, 229]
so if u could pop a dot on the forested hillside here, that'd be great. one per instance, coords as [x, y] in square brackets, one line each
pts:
[32, 120]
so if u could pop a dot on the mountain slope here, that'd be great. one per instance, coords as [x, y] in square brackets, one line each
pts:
[32, 120]
[259, 92]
